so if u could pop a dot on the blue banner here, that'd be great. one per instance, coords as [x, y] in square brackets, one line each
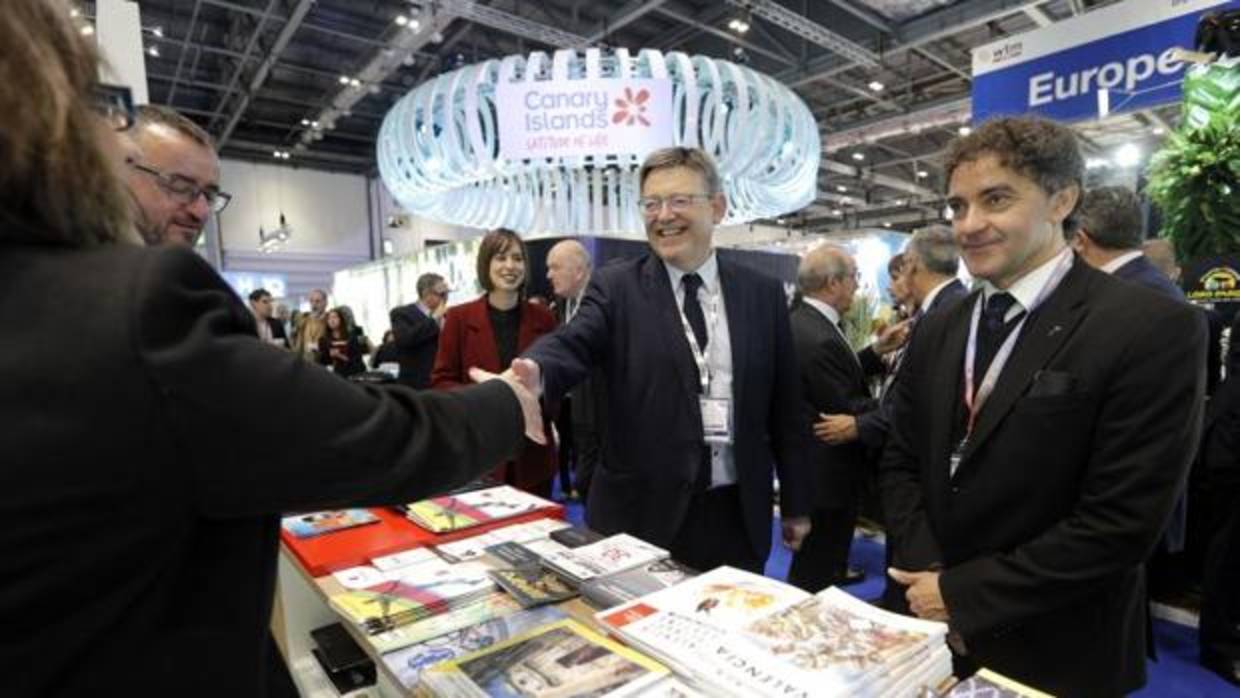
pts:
[1057, 71]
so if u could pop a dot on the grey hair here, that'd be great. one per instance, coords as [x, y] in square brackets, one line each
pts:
[1112, 218]
[820, 266]
[426, 283]
[693, 158]
[936, 247]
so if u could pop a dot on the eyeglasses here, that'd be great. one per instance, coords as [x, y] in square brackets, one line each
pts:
[115, 104]
[184, 189]
[678, 203]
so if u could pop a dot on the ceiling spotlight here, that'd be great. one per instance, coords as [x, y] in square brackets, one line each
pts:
[305, 122]
[1096, 163]
[344, 79]
[373, 89]
[858, 156]
[738, 25]
[414, 25]
[152, 51]
[841, 188]
[158, 32]
[887, 224]
[1128, 156]
[1159, 130]
[409, 60]
[922, 174]
[836, 212]
[314, 124]
[877, 86]
[74, 13]
[87, 29]
[347, 112]
[401, 20]
[355, 83]
[436, 37]
[964, 130]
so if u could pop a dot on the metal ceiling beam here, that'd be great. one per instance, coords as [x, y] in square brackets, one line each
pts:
[264, 68]
[266, 94]
[189, 34]
[912, 34]
[877, 178]
[732, 38]
[951, 111]
[807, 29]
[342, 158]
[623, 17]
[1039, 16]
[507, 22]
[864, 15]
[249, 48]
[944, 64]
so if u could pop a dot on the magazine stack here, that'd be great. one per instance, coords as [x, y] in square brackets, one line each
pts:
[612, 554]
[734, 633]
[474, 508]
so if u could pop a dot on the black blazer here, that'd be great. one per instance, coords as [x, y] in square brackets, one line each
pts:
[277, 331]
[417, 340]
[629, 325]
[832, 382]
[143, 480]
[1065, 486]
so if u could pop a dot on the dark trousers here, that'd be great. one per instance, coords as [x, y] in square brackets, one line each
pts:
[588, 445]
[823, 557]
[714, 534]
[568, 445]
[1220, 607]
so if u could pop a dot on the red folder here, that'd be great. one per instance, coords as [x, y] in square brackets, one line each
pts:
[393, 533]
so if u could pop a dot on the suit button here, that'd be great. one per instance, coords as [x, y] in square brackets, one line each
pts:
[955, 490]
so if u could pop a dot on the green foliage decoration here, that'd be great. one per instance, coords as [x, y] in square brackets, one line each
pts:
[1195, 178]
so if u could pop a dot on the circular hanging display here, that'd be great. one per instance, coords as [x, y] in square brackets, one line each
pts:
[551, 145]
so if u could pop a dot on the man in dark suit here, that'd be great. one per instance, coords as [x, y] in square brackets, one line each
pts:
[701, 382]
[834, 383]
[568, 270]
[1109, 238]
[1041, 431]
[416, 329]
[269, 329]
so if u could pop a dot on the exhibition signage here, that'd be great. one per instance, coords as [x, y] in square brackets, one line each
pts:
[573, 118]
[1213, 280]
[1125, 49]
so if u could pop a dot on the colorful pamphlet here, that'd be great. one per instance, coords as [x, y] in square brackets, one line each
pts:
[321, 522]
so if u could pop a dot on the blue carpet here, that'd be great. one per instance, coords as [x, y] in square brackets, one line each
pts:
[1175, 675]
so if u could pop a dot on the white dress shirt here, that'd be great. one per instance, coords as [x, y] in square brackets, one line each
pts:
[1027, 288]
[1112, 266]
[928, 301]
[718, 355]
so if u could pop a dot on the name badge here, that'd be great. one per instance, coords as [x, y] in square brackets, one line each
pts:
[958, 455]
[716, 420]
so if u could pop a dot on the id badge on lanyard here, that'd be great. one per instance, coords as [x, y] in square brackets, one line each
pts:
[716, 411]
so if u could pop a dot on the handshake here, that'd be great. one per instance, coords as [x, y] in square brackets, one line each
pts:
[525, 379]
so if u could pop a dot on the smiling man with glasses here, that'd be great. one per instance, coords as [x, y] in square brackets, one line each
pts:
[174, 176]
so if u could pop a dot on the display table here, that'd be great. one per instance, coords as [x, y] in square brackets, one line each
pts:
[302, 596]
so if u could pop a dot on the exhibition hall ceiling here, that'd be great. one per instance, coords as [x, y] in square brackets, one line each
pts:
[258, 73]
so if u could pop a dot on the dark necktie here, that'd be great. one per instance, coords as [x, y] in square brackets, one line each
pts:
[991, 331]
[693, 309]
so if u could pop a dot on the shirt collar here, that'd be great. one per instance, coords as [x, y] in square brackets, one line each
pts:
[825, 308]
[1027, 288]
[928, 301]
[709, 271]
[1113, 266]
[425, 310]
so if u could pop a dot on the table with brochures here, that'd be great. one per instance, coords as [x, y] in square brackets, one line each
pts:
[468, 602]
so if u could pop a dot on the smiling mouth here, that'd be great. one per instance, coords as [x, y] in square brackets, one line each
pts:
[669, 232]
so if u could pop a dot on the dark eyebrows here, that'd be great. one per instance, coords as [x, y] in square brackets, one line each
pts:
[998, 189]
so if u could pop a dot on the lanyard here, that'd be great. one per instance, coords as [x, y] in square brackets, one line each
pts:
[699, 357]
[975, 402]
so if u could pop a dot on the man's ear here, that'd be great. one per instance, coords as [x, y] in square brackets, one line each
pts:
[719, 206]
[1063, 202]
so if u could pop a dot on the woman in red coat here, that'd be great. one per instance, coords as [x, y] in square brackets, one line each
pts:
[489, 333]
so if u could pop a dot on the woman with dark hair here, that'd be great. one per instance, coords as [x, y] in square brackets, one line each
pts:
[150, 440]
[339, 347]
[488, 333]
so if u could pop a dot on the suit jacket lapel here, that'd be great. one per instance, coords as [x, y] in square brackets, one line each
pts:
[479, 322]
[1040, 339]
[667, 321]
[733, 298]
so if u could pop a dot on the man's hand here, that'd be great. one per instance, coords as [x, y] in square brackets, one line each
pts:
[530, 409]
[440, 311]
[924, 597]
[529, 374]
[795, 529]
[892, 337]
[836, 429]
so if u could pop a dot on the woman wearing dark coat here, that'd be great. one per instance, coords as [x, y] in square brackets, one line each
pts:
[150, 440]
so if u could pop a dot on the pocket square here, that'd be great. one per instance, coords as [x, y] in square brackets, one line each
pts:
[1051, 383]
